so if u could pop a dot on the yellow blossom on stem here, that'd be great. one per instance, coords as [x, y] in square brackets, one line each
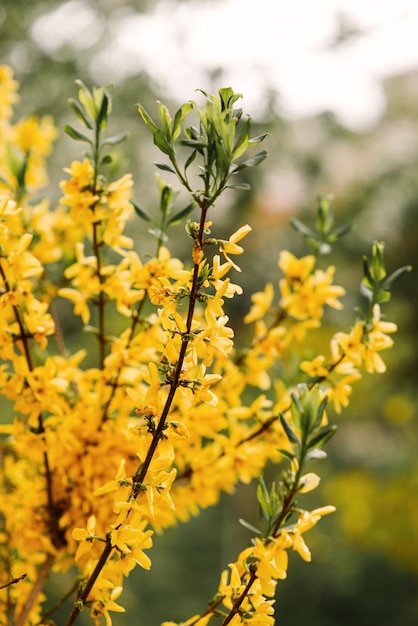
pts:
[307, 519]
[261, 304]
[231, 245]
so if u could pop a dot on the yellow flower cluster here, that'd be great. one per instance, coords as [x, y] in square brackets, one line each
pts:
[260, 566]
[98, 456]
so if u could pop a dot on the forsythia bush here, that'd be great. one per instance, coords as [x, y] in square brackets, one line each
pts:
[98, 457]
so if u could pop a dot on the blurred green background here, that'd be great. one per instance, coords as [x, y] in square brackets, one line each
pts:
[365, 557]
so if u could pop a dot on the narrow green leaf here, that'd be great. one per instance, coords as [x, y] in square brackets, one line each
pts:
[286, 453]
[368, 279]
[325, 215]
[388, 282]
[242, 141]
[192, 132]
[75, 134]
[263, 496]
[106, 160]
[249, 527]
[21, 174]
[322, 437]
[140, 212]
[179, 117]
[80, 113]
[165, 167]
[86, 100]
[167, 194]
[244, 186]
[228, 97]
[190, 160]
[166, 119]
[320, 412]
[115, 139]
[162, 143]
[302, 228]
[102, 104]
[178, 217]
[256, 140]
[151, 125]
[339, 232]
[377, 266]
[193, 143]
[14, 159]
[290, 433]
[255, 160]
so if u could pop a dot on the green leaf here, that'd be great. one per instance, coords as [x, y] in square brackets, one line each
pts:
[166, 120]
[14, 159]
[290, 433]
[151, 125]
[250, 527]
[286, 453]
[325, 216]
[21, 174]
[167, 194]
[115, 139]
[322, 437]
[320, 412]
[263, 496]
[103, 111]
[244, 186]
[228, 97]
[368, 279]
[301, 228]
[242, 141]
[388, 282]
[194, 143]
[178, 217]
[75, 134]
[382, 296]
[165, 167]
[161, 142]
[140, 212]
[339, 232]
[106, 160]
[255, 160]
[80, 113]
[377, 268]
[256, 140]
[190, 160]
[179, 117]
[86, 100]
[192, 132]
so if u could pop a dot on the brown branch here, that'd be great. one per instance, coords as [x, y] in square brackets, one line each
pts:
[102, 300]
[53, 513]
[13, 581]
[143, 468]
[237, 604]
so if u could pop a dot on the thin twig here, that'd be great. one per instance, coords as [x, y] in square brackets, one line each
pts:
[43, 573]
[13, 581]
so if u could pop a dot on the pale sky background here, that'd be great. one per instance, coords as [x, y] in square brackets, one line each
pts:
[283, 44]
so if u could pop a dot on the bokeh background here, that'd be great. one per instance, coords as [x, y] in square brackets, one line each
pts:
[335, 83]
